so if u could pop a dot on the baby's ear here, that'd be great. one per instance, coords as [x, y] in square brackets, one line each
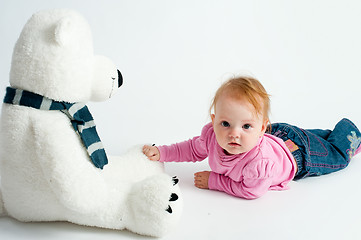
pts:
[213, 117]
[64, 31]
[264, 126]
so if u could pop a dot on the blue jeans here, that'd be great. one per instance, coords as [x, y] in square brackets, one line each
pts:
[317, 151]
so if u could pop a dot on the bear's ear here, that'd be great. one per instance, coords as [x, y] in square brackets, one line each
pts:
[64, 31]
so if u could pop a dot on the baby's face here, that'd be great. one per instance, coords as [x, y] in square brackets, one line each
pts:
[236, 125]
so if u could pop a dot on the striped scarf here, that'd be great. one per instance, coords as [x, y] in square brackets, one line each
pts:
[78, 113]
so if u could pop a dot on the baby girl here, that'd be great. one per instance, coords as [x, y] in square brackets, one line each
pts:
[249, 156]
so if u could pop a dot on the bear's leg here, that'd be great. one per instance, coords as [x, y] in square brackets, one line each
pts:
[154, 206]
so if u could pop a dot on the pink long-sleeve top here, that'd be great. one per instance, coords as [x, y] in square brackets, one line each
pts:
[268, 166]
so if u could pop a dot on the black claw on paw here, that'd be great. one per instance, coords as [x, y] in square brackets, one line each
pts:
[175, 181]
[173, 197]
[169, 209]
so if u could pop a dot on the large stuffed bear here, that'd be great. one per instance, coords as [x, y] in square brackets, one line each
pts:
[53, 165]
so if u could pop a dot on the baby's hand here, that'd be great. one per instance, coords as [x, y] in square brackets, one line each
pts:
[151, 152]
[201, 179]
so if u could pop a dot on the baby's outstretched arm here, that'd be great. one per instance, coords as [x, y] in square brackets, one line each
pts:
[151, 152]
[201, 179]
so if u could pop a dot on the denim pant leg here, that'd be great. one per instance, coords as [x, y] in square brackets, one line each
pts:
[346, 138]
[322, 151]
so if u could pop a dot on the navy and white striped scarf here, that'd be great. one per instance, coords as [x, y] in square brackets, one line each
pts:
[79, 116]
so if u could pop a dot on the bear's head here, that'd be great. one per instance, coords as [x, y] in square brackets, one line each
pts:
[54, 57]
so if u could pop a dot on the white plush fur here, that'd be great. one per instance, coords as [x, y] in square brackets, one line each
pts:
[46, 174]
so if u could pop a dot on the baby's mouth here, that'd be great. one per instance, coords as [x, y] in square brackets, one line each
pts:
[234, 144]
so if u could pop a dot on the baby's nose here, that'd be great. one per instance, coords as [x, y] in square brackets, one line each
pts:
[235, 133]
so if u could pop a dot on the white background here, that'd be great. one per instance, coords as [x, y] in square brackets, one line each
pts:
[173, 55]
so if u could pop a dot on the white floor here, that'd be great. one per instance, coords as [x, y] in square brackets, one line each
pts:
[327, 207]
[306, 53]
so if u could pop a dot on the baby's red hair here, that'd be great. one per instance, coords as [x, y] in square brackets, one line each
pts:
[245, 88]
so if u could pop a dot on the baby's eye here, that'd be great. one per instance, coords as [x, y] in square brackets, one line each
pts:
[225, 124]
[247, 126]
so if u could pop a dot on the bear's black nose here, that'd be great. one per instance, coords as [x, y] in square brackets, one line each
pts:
[120, 79]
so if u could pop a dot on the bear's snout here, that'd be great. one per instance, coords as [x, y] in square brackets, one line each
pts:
[120, 79]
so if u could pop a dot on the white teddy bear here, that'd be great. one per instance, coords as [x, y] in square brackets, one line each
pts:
[53, 166]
